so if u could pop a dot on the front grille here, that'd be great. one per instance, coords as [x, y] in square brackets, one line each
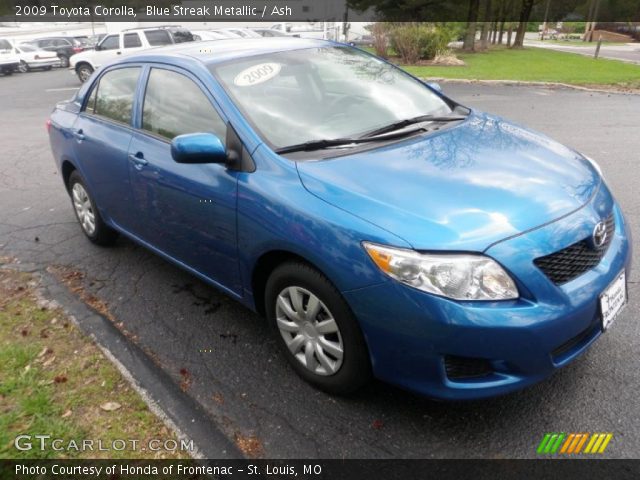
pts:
[464, 367]
[571, 262]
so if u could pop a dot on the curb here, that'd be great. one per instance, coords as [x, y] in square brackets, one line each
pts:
[164, 398]
[523, 83]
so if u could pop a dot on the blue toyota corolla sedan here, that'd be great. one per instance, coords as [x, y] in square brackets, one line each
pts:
[381, 227]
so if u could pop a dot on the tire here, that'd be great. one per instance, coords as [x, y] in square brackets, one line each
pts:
[23, 67]
[7, 71]
[85, 209]
[334, 374]
[84, 71]
[46, 69]
[64, 61]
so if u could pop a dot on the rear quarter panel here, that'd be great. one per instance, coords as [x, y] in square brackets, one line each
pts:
[62, 119]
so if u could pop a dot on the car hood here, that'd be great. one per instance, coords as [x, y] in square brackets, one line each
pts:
[462, 188]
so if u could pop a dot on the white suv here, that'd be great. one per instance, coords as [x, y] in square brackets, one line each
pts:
[8, 59]
[125, 43]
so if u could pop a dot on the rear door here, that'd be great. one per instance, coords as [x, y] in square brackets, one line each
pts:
[186, 211]
[131, 43]
[101, 135]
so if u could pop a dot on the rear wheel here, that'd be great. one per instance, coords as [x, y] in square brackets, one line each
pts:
[64, 61]
[87, 214]
[316, 329]
[84, 71]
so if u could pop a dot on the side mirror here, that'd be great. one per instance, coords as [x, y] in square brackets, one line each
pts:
[97, 48]
[198, 148]
[435, 86]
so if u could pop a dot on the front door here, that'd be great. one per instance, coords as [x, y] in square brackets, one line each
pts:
[186, 211]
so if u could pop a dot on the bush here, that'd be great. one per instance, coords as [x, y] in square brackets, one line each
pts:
[419, 41]
[379, 31]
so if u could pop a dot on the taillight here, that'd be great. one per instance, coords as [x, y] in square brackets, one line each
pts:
[48, 125]
[78, 49]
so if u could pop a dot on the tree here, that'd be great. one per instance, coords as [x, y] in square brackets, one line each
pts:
[525, 13]
[469, 43]
[401, 10]
[484, 34]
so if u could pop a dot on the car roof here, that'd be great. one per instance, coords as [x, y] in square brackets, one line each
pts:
[215, 51]
[52, 37]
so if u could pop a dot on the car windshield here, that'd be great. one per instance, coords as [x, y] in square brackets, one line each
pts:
[305, 95]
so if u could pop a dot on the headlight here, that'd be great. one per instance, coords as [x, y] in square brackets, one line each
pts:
[457, 276]
[594, 164]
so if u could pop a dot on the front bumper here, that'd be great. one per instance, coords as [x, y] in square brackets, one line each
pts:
[409, 332]
[9, 66]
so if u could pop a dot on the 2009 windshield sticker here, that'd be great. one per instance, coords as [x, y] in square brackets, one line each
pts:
[257, 74]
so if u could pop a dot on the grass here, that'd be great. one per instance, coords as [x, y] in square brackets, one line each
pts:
[55, 381]
[536, 64]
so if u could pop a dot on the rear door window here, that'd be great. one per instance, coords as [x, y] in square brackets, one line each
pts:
[132, 40]
[113, 96]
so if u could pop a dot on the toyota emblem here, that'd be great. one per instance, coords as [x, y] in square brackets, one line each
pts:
[599, 234]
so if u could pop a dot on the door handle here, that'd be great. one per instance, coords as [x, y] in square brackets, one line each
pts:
[138, 160]
[78, 134]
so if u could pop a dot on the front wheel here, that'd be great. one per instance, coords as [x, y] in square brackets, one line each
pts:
[23, 67]
[84, 71]
[64, 61]
[316, 329]
[87, 214]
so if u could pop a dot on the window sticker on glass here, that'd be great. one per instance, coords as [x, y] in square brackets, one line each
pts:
[257, 74]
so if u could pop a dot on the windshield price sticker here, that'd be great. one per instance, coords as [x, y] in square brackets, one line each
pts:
[257, 74]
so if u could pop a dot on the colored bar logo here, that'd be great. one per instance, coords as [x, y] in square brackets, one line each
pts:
[574, 443]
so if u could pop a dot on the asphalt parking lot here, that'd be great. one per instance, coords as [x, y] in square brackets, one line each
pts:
[225, 359]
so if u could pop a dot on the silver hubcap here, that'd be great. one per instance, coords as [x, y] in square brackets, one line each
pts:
[85, 73]
[309, 330]
[82, 204]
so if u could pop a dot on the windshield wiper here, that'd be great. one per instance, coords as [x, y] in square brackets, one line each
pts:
[378, 135]
[410, 121]
[313, 145]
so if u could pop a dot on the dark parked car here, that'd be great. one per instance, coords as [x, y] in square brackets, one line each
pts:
[65, 47]
[361, 41]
